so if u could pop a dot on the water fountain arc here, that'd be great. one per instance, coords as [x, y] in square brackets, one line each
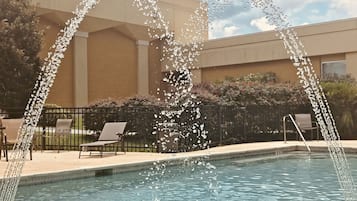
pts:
[310, 83]
[37, 100]
[182, 60]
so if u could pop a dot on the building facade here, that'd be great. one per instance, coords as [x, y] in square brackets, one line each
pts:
[331, 47]
[112, 55]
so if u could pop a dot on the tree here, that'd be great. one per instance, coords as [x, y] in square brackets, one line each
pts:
[20, 43]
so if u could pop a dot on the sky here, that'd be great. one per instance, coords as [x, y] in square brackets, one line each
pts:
[238, 18]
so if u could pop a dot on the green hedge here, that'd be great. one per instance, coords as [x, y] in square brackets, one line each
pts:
[137, 111]
[252, 90]
[100, 112]
[233, 111]
[53, 112]
[342, 98]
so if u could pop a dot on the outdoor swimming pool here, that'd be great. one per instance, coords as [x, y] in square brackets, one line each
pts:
[292, 176]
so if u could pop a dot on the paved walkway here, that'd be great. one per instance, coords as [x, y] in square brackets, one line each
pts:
[47, 162]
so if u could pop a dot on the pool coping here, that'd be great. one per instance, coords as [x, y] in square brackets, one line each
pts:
[85, 172]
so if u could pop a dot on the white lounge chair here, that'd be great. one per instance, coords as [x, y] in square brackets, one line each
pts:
[305, 123]
[112, 133]
[63, 129]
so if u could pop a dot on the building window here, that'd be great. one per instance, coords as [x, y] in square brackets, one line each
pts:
[333, 69]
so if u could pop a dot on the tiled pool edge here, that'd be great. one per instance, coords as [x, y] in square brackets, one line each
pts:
[49, 177]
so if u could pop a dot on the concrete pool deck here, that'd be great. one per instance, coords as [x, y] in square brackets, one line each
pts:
[49, 166]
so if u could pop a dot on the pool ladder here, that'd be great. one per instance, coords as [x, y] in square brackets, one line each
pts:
[297, 128]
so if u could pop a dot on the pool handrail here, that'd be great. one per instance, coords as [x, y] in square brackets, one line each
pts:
[297, 128]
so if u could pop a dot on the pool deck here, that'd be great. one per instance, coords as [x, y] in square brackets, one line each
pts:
[48, 166]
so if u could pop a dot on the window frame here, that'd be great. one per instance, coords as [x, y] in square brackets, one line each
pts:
[322, 77]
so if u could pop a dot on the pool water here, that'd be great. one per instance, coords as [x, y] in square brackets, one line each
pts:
[284, 177]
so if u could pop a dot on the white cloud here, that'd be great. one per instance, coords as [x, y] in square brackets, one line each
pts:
[296, 5]
[349, 6]
[231, 30]
[315, 11]
[222, 28]
[215, 29]
[240, 19]
[262, 24]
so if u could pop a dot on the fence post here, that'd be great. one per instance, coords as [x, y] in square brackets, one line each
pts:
[220, 125]
[43, 138]
[244, 111]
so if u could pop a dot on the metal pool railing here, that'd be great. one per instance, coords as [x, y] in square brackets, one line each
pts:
[297, 128]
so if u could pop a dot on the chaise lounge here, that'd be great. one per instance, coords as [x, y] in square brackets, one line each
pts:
[9, 129]
[112, 133]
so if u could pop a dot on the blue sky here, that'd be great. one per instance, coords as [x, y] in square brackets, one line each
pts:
[239, 18]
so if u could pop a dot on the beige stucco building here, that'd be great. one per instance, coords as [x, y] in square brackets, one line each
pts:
[112, 55]
[331, 47]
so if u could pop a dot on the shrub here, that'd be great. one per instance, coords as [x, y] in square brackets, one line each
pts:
[268, 77]
[139, 100]
[243, 92]
[204, 95]
[342, 97]
[11, 112]
[251, 105]
[100, 112]
[137, 111]
[50, 114]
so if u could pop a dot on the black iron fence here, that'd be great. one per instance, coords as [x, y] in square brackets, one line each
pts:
[224, 125]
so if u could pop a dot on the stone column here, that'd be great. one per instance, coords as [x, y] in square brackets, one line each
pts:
[80, 69]
[143, 67]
